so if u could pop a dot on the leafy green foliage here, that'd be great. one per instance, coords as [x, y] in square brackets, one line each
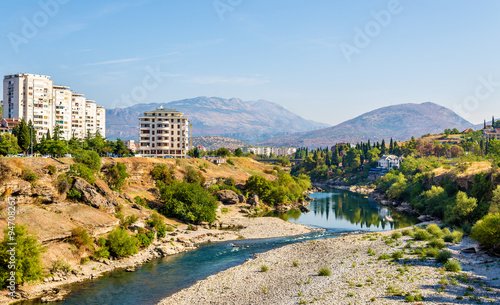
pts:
[90, 158]
[80, 238]
[29, 176]
[163, 173]
[121, 244]
[487, 231]
[324, 271]
[145, 239]
[453, 266]
[157, 222]
[83, 171]
[28, 267]
[187, 201]
[74, 194]
[283, 190]
[443, 256]
[117, 175]
[195, 176]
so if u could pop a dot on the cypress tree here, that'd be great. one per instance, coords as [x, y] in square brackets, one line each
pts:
[48, 137]
[391, 146]
[383, 149]
[23, 139]
[484, 124]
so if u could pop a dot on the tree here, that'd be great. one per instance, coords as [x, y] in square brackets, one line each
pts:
[23, 138]
[352, 159]
[459, 211]
[121, 149]
[121, 244]
[222, 152]
[58, 132]
[8, 145]
[373, 154]
[487, 231]
[238, 152]
[27, 252]
[117, 175]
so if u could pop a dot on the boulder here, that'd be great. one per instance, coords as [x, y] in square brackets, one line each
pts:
[91, 196]
[106, 191]
[241, 198]
[253, 200]
[228, 197]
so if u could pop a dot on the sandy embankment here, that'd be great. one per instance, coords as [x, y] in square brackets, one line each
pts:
[357, 277]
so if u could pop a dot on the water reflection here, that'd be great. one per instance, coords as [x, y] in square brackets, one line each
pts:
[342, 210]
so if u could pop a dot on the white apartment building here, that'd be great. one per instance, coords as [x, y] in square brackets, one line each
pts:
[278, 151]
[62, 111]
[163, 133]
[34, 97]
[90, 117]
[29, 97]
[100, 121]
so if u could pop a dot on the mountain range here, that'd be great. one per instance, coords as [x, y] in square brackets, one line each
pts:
[249, 121]
[399, 122]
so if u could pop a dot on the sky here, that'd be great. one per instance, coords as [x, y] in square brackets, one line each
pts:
[325, 60]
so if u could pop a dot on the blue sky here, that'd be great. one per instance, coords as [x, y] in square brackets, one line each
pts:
[324, 60]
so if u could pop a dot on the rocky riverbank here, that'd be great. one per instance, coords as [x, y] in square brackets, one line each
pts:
[357, 270]
[235, 227]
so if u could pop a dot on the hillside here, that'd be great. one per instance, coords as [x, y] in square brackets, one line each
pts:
[249, 121]
[215, 142]
[399, 122]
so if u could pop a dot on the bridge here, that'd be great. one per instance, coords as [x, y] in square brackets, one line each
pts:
[294, 161]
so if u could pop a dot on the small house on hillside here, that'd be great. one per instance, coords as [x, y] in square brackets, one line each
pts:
[389, 161]
[490, 134]
[215, 160]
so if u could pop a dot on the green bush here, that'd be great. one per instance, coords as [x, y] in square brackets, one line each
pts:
[443, 256]
[121, 244]
[435, 230]
[145, 239]
[383, 256]
[324, 271]
[407, 232]
[29, 176]
[230, 162]
[188, 202]
[163, 173]
[157, 222]
[60, 265]
[126, 222]
[195, 176]
[432, 252]
[74, 194]
[436, 243]
[117, 175]
[264, 268]
[28, 251]
[409, 298]
[51, 169]
[103, 252]
[421, 235]
[89, 158]
[453, 266]
[83, 171]
[141, 201]
[396, 235]
[397, 255]
[454, 237]
[487, 231]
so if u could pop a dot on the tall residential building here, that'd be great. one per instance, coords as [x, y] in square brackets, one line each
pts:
[62, 112]
[90, 117]
[78, 104]
[29, 97]
[163, 132]
[34, 97]
[100, 121]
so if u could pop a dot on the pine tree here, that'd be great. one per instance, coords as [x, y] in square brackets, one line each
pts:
[23, 138]
[48, 137]
[484, 124]
[383, 149]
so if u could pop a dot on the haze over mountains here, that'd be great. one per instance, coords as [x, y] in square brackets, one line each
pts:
[250, 121]
[399, 122]
[268, 123]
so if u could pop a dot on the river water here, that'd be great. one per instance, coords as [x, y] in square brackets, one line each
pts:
[334, 212]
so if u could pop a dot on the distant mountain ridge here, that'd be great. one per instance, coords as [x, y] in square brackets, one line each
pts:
[399, 122]
[249, 121]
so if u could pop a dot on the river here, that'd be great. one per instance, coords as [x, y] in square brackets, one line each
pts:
[334, 212]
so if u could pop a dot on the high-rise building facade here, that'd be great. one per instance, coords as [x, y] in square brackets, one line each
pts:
[163, 133]
[35, 98]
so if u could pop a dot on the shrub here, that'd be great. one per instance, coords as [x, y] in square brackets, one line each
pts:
[230, 162]
[264, 268]
[396, 235]
[80, 238]
[295, 263]
[446, 231]
[324, 271]
[421, 235]
[194, 176]
[29, 266]
[435, 230]
[409, 298]
[188, 202]
[126, 222]
[83, 171]
[103, 252]
[121, 244]
[29, 176]
[89, 158]
[384, 256]
[443, 256]
[432, 252]
[117, 175]
[63, 183]
[51, 169]
[74, 194]
[60, 265]
[141, 201]
[454, 237]
[436, 243]
[453, 266]
[157, 222]
[144, 239]
[407, 232]
[397, 255]
[487, 231]
[162, 173]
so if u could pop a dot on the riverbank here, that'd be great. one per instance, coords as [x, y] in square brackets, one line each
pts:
[289, 275]
[181, 240]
